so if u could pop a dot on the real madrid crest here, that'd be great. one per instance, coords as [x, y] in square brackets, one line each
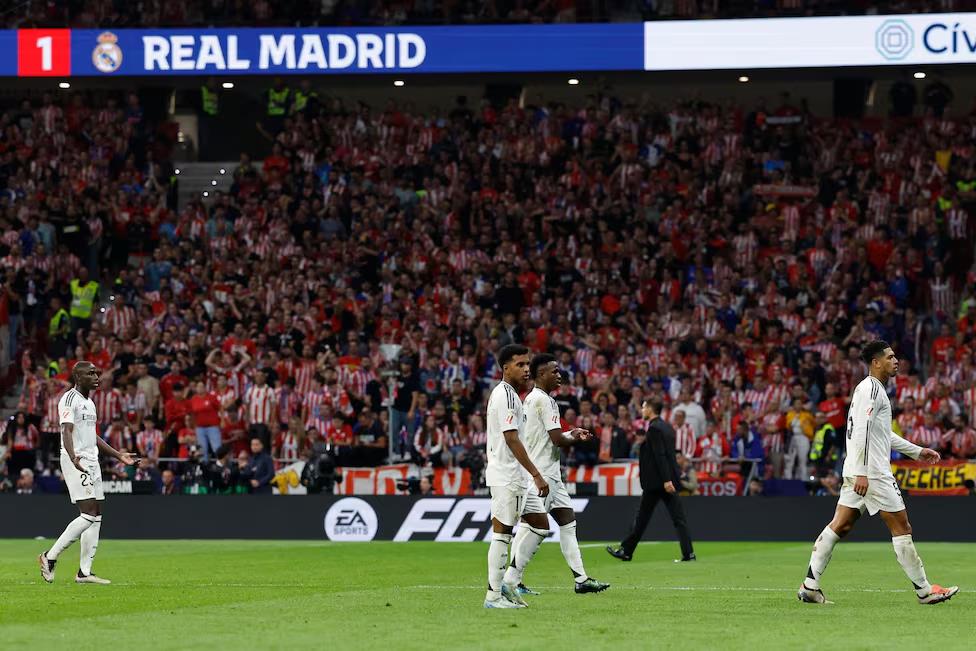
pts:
[107, 55]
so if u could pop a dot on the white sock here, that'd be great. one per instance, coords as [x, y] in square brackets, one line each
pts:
[911, 563]
[512, 575]
[71, 533]
[497, 562]
[526, 544]
[571, 551]
[822, 551]
[89, 543]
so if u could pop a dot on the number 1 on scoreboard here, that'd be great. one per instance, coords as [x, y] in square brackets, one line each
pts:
[44, 45]
[44, 52]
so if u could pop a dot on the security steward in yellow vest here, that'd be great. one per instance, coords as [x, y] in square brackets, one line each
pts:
[825, 447]
[84, 292]
[58, 329]
[305, 99]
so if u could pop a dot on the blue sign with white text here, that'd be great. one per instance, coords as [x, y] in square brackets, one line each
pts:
[496, 48]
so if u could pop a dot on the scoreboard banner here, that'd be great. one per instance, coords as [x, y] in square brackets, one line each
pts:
[909, 39]
[256, 51]
[943, 478]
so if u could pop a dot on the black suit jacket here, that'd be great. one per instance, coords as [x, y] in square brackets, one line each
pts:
[658, 464]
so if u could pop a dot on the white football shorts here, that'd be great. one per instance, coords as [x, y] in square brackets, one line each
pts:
[558, 498]
[883, 495]
[507, 503]
[82, 486]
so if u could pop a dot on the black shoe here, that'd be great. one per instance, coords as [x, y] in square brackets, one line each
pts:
[591, 585]
[618, 552]
[686, 559]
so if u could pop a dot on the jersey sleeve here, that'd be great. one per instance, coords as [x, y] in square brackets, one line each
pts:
[66, 413]
[502, 413]
[549, 413]
[858, 420]
[902, 446]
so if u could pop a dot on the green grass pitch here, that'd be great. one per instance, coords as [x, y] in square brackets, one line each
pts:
[394, 596]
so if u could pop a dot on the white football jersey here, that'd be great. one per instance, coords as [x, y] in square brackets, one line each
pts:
[504, 413]
[542, 415]
[869, 435]
[78, 410]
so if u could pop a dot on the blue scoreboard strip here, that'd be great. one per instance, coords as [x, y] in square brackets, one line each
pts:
[255, 51]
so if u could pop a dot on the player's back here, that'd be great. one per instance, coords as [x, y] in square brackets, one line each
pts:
[869, 431]
[505, 413]
[542, 415]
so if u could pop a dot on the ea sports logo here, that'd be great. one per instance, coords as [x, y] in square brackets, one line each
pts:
[894, 39]
[351, 520]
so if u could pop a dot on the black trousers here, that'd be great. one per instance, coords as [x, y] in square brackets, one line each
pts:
[648, 501]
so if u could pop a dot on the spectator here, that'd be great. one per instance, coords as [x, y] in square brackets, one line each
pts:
[25, 482]
[170, 484]
[205, 408]
[20, 439]
[694, 413]
[260, 468]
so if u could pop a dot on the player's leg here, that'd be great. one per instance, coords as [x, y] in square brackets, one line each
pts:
[531, 532]
[565, 517]
[911, 563]
[89, 545]
[506, 505]
[626, 550]
[81, 493]
[842, 523]
[677, 513]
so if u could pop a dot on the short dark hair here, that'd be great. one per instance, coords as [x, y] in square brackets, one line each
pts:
[656, 404]
[506, 354]
[539, 361]
[873, 350]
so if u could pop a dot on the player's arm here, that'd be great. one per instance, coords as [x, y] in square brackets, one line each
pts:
[522, 456]
[861, 412]
[67, 438]
[106, 449]
[558, 437]
[909, 449]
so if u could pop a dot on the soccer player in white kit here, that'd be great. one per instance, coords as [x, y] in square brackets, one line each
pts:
[869, 484]
[504, 473]
[544, 436]
[80, 444]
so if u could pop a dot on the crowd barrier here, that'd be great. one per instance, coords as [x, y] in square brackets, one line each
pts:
[455, 519]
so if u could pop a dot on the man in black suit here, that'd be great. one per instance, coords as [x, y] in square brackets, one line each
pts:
[659, 477]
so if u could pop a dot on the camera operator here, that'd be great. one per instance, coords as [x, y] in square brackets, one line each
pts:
[319, 474]
[223, 472]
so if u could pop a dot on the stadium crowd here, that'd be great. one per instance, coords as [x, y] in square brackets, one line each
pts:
[729, 259]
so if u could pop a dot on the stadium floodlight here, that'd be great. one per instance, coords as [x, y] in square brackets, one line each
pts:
[213, 181]
[176, 171]
[64, 85]
[573, 81]
[919, 75]
[223, 171]
[744, 79]
[227, 85]
[399, 83]
[206, 194]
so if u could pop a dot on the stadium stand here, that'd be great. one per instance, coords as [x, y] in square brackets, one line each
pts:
[729, 258]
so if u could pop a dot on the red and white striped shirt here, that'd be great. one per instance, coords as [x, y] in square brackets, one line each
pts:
[685, 440]
[50, 421]
[942, 295]
[927, 437]
[119, 318]
[957, 221]
[108, 405]
[303, 372]
[289, 404]
[149, 442]
[355, 379]
[260, 404]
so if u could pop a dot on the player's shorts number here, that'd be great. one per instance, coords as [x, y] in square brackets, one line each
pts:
[86, 479]
[897, 488]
